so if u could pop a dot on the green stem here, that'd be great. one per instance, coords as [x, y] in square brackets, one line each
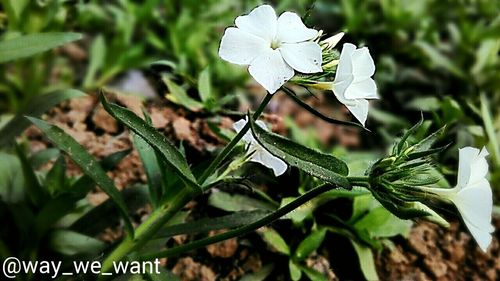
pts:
[229, 147]
[149, 228]
[244, 229]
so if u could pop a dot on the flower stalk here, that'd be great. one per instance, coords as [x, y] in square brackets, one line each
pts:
[230, 146]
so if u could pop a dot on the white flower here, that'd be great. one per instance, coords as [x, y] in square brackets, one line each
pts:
[472, 195]
[272, 47]
[260, 154]
[352, 85]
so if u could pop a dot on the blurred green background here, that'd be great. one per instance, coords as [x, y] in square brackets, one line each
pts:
[436, 57]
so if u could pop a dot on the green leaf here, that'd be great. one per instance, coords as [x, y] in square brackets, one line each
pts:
[152, 169]
[28, 45]
[179, 96]
[207, 224]
[12, 186]
[318, 164]
[33, 187]
[43, 156]
[260, 275]
[274, 239]
[366, 261]
[313, 274]
[71, 243]
[83, 185]
[439, 59]
[205, 86]
[379, 222]
[237, 202]
[310, 244]
[489, 127]
[158, 141]
[86, 162]
[35, 107]
[295, 272]
[97, 57]
[106, 215]
[424, 103]
[56, 177]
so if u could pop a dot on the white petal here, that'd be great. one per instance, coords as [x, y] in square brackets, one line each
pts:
[291, 29]
[262, 124]
[344, 69]
[483, 238]
[475, 204]
[332, 41]
[362, 63]
[270, 70]
[260, 22]
[265, 158]
[466, 156]
[238, 126]
[240, 47]
[359, 110]
[479, 167]
[304, 57]
[366, 89]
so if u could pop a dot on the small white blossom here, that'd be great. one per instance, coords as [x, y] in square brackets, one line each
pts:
[272, 47]
[353, 84]
[472, 195]
[259, 153]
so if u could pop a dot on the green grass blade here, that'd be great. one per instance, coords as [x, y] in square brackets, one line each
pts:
[159, 142]
[34, 108]
[86, 162]
[32, 44]
[207, 224]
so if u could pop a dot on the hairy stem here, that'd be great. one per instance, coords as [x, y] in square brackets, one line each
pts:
[229, 147]
[149, 228]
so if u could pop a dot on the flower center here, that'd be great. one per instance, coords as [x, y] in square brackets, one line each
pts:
[275, 44]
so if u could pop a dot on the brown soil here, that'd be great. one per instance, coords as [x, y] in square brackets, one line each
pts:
[430, 252]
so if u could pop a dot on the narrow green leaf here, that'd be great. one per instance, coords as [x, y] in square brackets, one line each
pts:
[158, 141]
[56, 177]
[43, 156]
[97, 57]
[237, 202]
[313, 274]
[366, 261]
[86, 162]
[260, 275]
[179, 96]
[33, 187]
[28, 45]
[205, 86]
[318, 164]
[494, 144]
[84, 184]
[310, 244]
[318, 114]
[105, 215]
[207, 224]
[274, 239]
[438, 59]
[72, 243]
[35, 107]
[295, 272]
[12, 180]
[152, 169]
